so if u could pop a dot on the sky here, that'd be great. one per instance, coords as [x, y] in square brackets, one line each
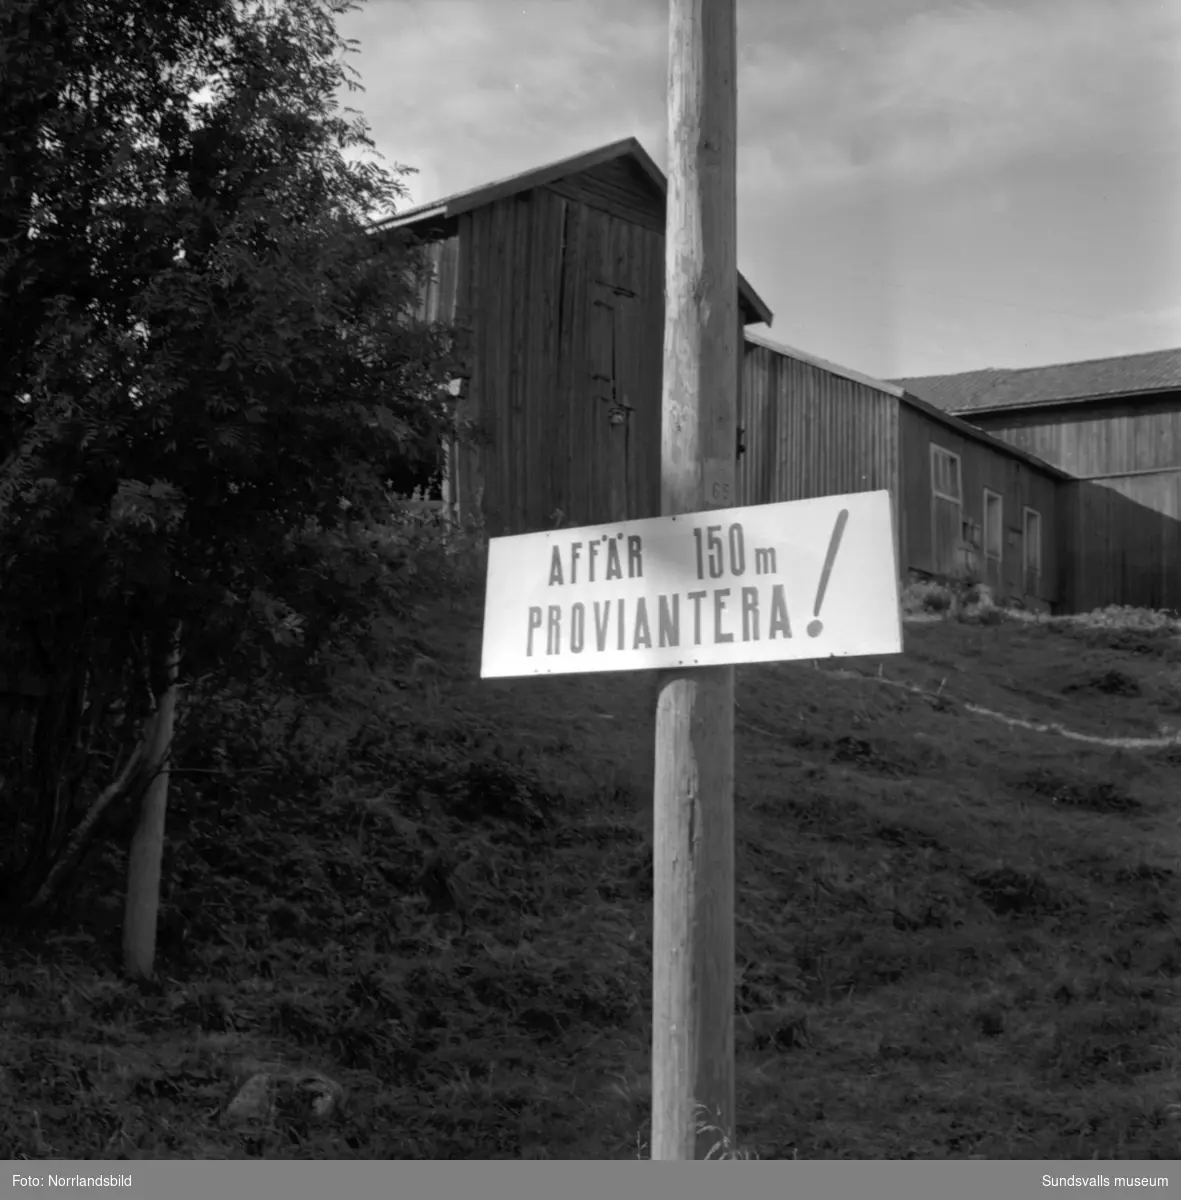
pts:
[924, 186]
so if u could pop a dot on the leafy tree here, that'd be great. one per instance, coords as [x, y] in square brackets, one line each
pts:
[208, 363]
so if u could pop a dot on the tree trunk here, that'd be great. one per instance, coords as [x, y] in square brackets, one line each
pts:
[71, 856]
[147, 845]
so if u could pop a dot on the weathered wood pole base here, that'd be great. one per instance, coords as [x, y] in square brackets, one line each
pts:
[693, 935]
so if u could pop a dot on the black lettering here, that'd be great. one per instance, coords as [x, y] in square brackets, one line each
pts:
[779, 618]
[635, 561]
[750, 614]
[720, 595]
[643, 633]
[670, 622]
[614, 566]
[603, 611]
[697, 598]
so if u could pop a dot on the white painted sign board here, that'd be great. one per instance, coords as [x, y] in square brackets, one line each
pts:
[762, 583]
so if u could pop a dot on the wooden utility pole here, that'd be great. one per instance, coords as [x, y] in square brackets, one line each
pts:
[693, 923]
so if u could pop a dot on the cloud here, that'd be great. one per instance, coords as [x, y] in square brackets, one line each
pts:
[962, 87]
[472, 91]
[864, 92]
[1167, 318]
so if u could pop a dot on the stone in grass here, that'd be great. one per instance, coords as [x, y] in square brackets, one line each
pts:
[991, 1022]
[308, 1093]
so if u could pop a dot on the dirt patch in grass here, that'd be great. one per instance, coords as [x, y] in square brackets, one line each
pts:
[1010, 892]
[862, 754]
[1069, 789]
[1108, 683]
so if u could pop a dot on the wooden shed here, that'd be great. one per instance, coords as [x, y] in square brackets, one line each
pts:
[965, 503]
[556, 280]
[1114, 426]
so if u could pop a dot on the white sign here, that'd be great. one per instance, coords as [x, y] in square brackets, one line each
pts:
[769, 582]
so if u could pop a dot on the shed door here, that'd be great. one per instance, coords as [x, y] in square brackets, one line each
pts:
[1014, 587]
[946, 513]
[611, 400]
[1031, 537]
[994, 540]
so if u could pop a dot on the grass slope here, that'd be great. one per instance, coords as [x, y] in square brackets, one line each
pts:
[955, 936]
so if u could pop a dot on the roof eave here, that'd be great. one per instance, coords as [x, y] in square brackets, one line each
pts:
[755, 303]
[757, 310]
[1061, 401]
[477, 197]
[813, 360]
[979, 435]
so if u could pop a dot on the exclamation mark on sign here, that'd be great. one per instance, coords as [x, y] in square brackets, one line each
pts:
[815, 627]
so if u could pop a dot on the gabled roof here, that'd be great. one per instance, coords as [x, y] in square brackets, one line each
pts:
[893, 387]
[1064, 383]
[629, 148]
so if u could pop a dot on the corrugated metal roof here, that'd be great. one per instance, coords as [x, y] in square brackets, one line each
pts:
[461, 202]
[993, 388]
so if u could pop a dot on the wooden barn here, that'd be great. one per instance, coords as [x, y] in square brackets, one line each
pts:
[556, 280]
[1114, 426]
[1060, 487]
[965, 503]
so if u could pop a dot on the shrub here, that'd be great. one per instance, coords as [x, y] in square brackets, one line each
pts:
[927, 596]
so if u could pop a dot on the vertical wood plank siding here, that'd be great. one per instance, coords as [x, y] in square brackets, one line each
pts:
[521, 277]
[619, 188]
[593, 463]
[811, 433]
[1120, 547]
[569, 489]
[518, 262]
[1018, 483]
[438, 300]
[1121, 523]
[1096, 438]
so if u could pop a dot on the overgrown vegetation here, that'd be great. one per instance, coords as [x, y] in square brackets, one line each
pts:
[210, 371]
[956, 937]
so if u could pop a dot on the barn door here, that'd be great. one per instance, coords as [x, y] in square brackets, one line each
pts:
[994, 541]
[947, 504]
[611, 402]
[1032, 552]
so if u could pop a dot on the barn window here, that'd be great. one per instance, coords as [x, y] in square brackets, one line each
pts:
[945, 474]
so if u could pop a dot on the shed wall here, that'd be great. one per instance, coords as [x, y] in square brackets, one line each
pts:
[811, 433]
[618, 187]
[1120, 530]
[1114, 437]
[562, 308]
[1120, 549]
[1019, 484]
